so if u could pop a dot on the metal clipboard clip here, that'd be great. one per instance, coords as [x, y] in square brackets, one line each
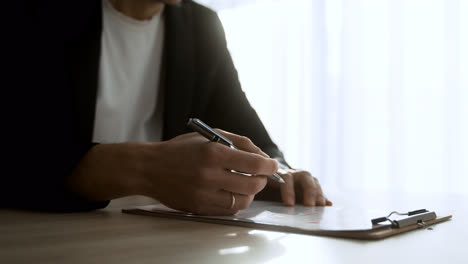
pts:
[417, 217]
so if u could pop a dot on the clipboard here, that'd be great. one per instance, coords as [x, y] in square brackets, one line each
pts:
[355, 223]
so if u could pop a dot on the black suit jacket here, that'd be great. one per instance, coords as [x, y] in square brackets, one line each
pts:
[56, 93]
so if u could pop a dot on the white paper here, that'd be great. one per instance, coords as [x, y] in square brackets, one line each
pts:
[329, 218]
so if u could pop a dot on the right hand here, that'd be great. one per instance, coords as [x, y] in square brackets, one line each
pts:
[189, 173]
[186, 173]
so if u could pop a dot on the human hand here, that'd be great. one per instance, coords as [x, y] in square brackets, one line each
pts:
[299, 185]
[189, 173]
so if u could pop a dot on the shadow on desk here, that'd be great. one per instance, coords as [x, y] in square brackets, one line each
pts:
[109, 236]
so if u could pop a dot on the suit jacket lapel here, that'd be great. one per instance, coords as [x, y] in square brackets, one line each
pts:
[178, 69]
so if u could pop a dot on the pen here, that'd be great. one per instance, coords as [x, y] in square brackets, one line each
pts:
[198, 126]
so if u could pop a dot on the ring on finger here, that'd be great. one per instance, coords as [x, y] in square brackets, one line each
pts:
[233, 201]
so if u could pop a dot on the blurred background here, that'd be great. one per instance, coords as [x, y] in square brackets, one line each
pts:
[365, 94]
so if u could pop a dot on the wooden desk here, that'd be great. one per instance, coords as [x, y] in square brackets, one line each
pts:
[108, 236]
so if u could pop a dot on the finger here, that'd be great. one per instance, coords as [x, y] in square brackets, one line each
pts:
[238, 183]
[308, 186]
[236, 201]
[313, 194]
[214, 211]
[320, 197]
[287, 189]
[229, 200]
[248, 162]
[243, 143]
[222, 202]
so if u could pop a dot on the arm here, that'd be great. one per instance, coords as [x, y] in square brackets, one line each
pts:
[187, 173]
[33, 176]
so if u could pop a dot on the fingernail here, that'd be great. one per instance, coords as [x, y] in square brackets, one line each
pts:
[290, 200]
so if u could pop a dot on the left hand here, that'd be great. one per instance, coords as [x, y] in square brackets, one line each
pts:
[300, 186]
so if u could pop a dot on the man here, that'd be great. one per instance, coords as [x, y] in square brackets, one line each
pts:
[126, 79]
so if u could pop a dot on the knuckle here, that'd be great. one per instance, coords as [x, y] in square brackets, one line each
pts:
[256, 185]
[256, 166]
[211, 152]
[251, 187]
[287, 177]
[312, 180]
[203, 175]
[245, 140]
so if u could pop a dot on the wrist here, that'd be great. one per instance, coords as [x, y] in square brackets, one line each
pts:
[108, 171]
[138, 162]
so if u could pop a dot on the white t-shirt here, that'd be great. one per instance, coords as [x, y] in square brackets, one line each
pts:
[129, 105]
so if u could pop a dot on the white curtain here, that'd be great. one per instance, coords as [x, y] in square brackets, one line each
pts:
[365, 94]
